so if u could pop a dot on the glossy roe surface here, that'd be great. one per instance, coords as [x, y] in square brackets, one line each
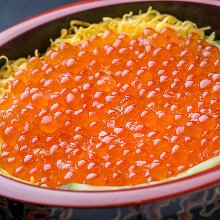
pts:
[113, 111]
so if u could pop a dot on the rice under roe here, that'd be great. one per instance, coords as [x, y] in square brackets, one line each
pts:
[113, 111]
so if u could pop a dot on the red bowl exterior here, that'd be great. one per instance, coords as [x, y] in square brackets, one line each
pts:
[143, 201]
[199, 205]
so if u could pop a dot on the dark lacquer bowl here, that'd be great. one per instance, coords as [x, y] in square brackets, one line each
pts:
[194, 197]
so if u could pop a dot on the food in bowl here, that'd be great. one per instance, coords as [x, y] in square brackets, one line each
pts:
[121, 103]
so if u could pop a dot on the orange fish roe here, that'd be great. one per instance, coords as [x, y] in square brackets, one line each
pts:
[113, 111]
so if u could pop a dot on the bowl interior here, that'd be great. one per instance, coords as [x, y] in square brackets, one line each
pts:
[38, 37]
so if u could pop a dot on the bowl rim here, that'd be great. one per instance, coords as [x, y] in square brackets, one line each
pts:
[56, 13]
[27, 193]
[16, 190]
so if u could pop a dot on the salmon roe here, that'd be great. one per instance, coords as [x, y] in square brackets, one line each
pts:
[113, 111]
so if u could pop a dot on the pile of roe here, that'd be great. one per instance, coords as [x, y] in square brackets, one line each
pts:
[113, 111]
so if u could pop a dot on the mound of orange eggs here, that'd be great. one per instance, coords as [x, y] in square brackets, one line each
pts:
[113, 111]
